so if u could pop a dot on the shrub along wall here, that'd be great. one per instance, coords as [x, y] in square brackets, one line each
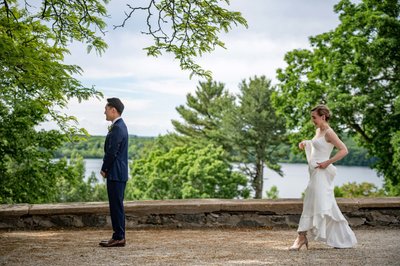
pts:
[196, 213]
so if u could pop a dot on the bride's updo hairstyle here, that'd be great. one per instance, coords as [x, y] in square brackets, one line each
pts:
[322, 110]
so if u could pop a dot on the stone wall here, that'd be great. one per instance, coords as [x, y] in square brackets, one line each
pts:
[282, 213]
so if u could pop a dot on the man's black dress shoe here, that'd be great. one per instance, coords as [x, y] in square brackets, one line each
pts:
[112, 243]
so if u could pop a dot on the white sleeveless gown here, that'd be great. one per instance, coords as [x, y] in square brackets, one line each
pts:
[321, 215]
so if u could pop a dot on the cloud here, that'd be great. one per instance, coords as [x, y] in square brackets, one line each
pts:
[247, 57]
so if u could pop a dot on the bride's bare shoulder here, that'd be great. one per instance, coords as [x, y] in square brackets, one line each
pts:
[330, 135]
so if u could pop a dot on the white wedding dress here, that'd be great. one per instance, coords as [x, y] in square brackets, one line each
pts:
[321, 215]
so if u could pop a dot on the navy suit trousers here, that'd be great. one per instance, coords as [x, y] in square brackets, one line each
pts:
[116, 191]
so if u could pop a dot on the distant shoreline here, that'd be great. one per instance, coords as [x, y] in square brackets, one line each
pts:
[92, 148]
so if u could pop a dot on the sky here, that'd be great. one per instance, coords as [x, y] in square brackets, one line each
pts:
[151, 88]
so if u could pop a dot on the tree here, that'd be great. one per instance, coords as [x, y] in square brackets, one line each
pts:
[204, 113]
[185, 172]
[355, 70]
[256, 131]
[33, 82]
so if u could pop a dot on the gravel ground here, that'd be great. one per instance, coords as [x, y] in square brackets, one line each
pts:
[193, 247]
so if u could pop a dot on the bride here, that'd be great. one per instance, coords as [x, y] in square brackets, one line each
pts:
[321, 216]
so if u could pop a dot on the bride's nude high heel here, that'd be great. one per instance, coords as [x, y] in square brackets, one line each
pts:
[299, 243]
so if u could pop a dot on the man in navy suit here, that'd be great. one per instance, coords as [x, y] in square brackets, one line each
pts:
[115, 170]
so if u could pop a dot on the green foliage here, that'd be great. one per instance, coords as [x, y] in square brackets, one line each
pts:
[71, 186]
[256, 131]
[354, 190]
[27, 171]
[355, 70]
[34, 82]
[273, 193]
[392, 186]
[185, 172]
[187, 28]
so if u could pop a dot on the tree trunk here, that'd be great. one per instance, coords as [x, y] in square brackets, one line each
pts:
[258, 180]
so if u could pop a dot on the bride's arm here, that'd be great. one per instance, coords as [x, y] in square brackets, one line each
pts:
[342, 149]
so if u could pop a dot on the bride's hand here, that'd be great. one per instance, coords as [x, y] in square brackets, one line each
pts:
[302, 145]
[323, 165]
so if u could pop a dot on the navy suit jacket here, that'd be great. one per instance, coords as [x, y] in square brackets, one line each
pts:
[115, 161]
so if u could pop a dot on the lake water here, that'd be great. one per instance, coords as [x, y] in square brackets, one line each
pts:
[294, 181]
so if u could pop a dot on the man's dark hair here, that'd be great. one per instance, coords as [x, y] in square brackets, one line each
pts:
[116, 103]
